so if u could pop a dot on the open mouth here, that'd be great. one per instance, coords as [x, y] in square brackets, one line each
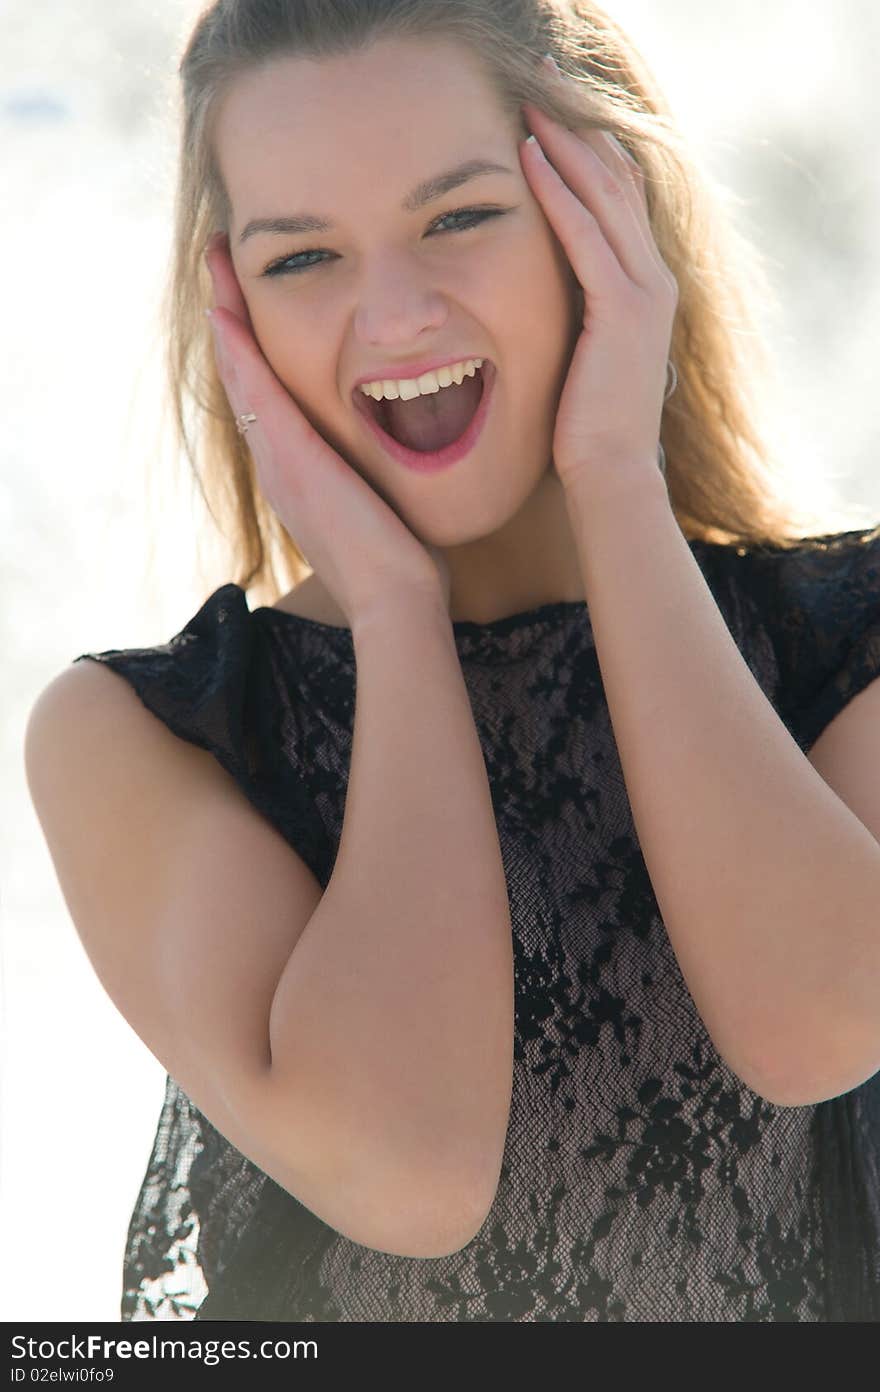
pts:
[432, 430]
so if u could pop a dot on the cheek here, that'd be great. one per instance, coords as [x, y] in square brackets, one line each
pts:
[551, 295]
[544, 272]
[282, 341]
[569, 286]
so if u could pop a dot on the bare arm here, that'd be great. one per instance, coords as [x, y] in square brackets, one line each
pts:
[356, 1045]
[768, 883]
[395, 1012]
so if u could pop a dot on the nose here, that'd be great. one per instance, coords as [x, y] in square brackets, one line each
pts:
[397, 303]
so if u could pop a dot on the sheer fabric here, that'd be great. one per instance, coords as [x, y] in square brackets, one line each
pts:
[642, 1180]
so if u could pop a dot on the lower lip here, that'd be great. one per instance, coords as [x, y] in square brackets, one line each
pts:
[431, 462]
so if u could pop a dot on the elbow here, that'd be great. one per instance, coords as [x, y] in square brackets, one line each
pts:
[467, 1218]
[780, 1090]
[828, 1066]
[411, 1192]
[440, 1219]
[433, 1200]
[443, 1236]
[388, 1210]
[427, 1224]
[808, 1090]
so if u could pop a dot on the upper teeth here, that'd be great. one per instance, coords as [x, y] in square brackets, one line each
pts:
[407, 388]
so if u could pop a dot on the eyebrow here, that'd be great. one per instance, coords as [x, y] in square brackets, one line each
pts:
[422, 194]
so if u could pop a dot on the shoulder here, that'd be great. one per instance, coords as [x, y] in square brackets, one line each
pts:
[89, 721]
[817, 602]
[817, 575]
[179, 700]
[83, 690]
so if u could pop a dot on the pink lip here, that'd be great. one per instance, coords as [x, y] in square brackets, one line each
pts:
[433, 462]
[414, 369]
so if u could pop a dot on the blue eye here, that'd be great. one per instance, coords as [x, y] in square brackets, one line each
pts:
[473, 216]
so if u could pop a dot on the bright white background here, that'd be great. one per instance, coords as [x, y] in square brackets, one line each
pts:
[99, 547]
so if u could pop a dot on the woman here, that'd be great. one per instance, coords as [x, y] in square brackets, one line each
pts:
[491, 905]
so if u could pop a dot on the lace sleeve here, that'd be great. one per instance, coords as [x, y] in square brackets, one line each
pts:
[211, 685]
[820, 604]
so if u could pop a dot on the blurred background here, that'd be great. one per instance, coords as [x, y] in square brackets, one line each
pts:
[99, 531]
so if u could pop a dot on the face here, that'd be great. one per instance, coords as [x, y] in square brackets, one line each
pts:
[385, 286]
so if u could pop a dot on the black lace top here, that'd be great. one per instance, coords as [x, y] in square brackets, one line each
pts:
[641, 1179]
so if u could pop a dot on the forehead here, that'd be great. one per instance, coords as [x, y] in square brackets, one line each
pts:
[407, 105]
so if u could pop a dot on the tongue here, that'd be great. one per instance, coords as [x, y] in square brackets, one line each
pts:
[431, 422]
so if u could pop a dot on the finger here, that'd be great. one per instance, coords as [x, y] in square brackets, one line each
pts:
[255, 387]
[631, 166]
[631, 169]
[608, 196]
[635, 174]
[227, 290]
[287, 449]
[624, 164]
[594, 262]
[287, 452]
[318, 497]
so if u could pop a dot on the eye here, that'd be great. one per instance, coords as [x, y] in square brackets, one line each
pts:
[473, 216]
[476, 215]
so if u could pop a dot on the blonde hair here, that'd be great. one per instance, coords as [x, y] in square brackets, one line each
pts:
[726, 485]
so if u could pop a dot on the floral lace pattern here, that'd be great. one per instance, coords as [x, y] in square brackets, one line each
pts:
[642, 1180]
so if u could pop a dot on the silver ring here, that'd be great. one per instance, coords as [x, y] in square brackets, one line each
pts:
[661, 459]
[671, 389]
[242, 422]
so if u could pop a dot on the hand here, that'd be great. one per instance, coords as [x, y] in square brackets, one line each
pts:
[361, 550]
[592, 193]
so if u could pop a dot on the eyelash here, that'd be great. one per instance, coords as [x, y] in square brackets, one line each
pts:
[480, 214]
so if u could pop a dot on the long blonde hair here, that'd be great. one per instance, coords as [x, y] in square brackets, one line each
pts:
[726, 484]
